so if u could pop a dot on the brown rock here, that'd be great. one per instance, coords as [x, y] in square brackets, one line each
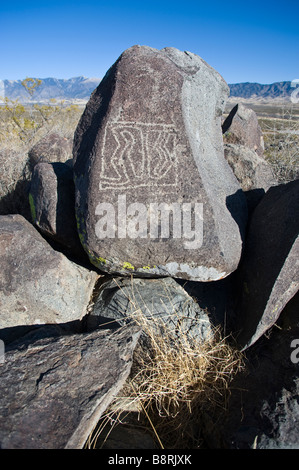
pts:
[151, 135]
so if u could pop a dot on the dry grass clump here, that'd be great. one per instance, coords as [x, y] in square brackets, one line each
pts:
[174, 382]
[175, 387]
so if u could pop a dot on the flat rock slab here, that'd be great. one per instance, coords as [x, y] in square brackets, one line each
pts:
[38, 285]
[158, 306]
[269, 272]
[53, 391]
[154, 193]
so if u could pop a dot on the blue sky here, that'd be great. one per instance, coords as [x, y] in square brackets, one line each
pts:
[252, 41]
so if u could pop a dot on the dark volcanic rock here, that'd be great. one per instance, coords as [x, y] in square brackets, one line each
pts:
[159, 305]
[269, 272]
[53, 391]
[37, 284]
[150, 135]
[263, 410]
[52, 201]
[241, 127]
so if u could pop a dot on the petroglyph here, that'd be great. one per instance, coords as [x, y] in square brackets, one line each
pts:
[143, 155]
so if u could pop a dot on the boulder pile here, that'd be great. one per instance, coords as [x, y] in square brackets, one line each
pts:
[165, 212]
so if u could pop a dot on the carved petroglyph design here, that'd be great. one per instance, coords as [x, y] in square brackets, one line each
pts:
[137, 155]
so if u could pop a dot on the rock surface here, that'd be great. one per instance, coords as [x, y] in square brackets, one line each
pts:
[251, 170]
[53, 391]
[241, 127]
[263, 411]
[157, 305]
[129, 433]
[52, 201]
[14, 182]
[51, 148]
[150, 135]
[269, 272]
[37, 284]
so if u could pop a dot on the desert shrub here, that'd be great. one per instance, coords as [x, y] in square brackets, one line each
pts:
[174, 381]
[21, 128]
[22, 125]
[281, 138]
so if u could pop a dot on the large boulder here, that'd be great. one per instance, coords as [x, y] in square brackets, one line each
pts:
[158, 306]
[269, 272]
[154, 193]
[54, 390]
[52, 202]
[242, 127]
[38, 285]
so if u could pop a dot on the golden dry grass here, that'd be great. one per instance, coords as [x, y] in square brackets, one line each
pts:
[175, 380]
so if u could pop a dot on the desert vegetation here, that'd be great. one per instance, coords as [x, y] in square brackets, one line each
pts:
[22, 125]
[281, 138]
[176, 380]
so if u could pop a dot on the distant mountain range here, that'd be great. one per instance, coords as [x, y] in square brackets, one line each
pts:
[277, 90]
[79, 89]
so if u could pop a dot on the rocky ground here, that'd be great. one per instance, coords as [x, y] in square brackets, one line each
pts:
[202, 319]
